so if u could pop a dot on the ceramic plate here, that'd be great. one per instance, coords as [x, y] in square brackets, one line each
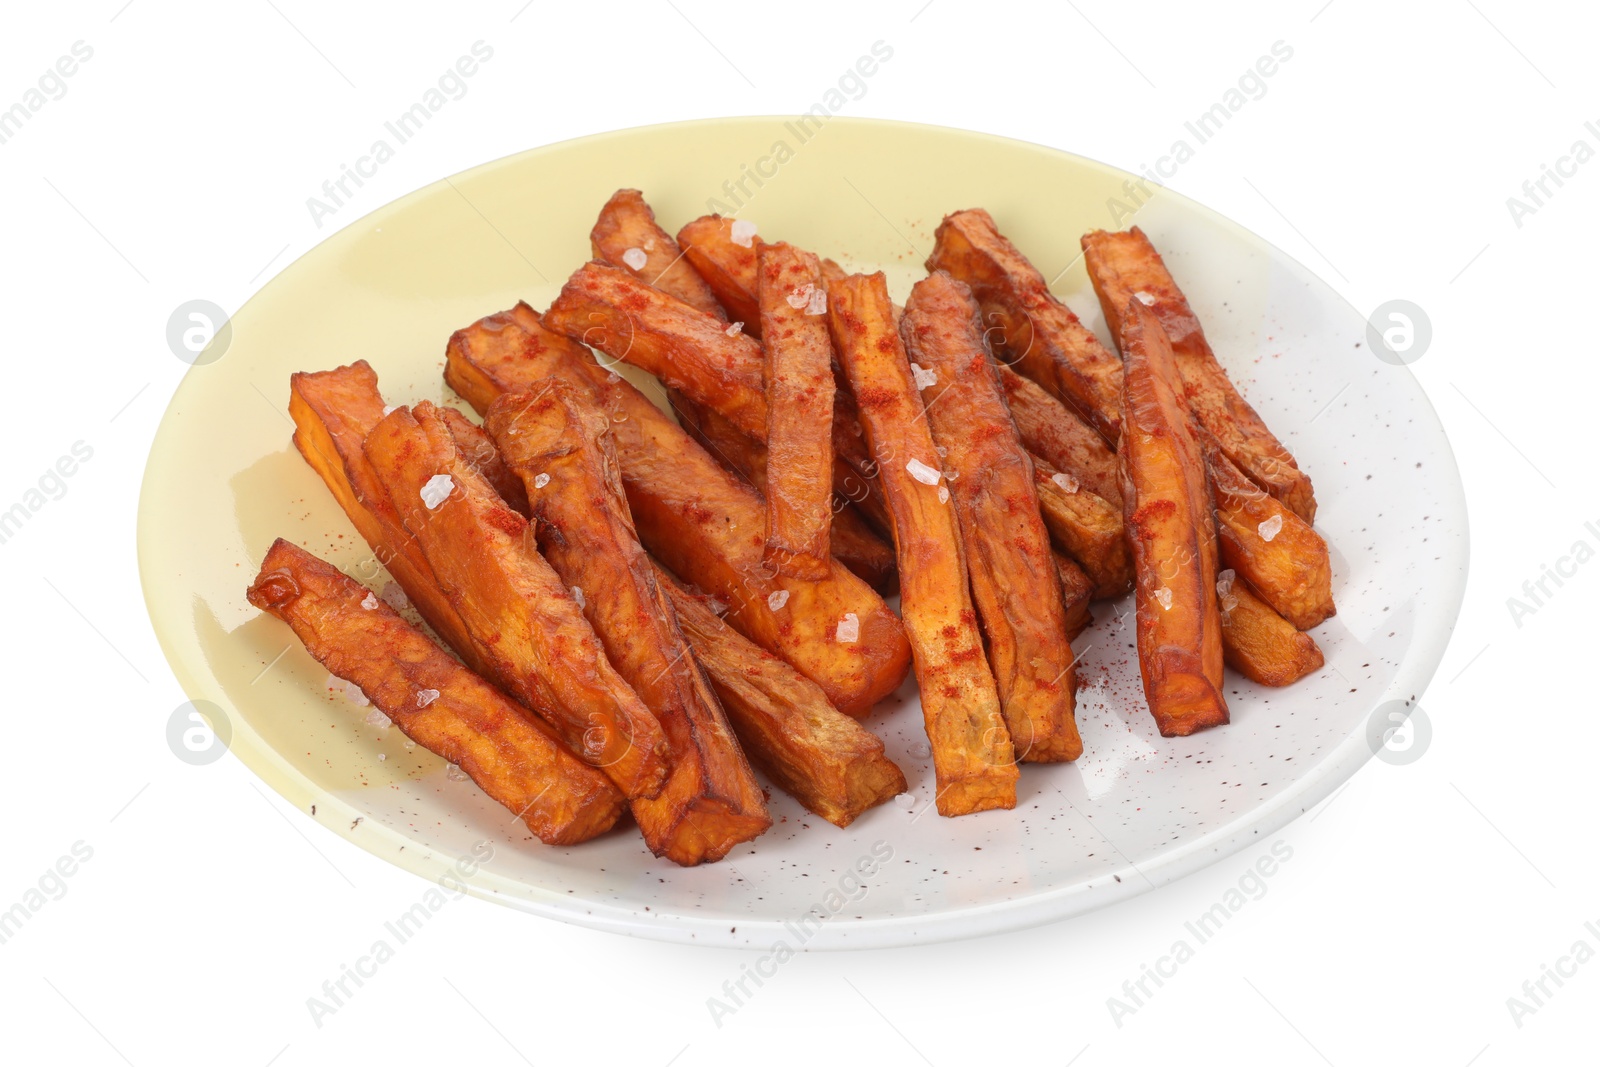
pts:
[1136, 811]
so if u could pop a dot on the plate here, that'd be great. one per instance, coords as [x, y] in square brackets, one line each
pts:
[1135, 812]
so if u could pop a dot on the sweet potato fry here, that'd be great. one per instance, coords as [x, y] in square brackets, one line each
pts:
[799, 379]
[1010, 568]
[1277, 551]
[1258, 642]
[333, 411]
[482, 456]
[1051, 431]
[434, 700]
[559, 444]
[851, 540]
[702, 521]
[520, 615]
[819, 756]
[974, 764]
[1125, 266]
[1168, 510]
[727, 266]
[691, 353]
[1086, 528]
[1037, 333]
[627, 237]
[1076, 592]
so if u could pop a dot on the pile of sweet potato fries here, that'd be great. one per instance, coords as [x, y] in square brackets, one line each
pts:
[646, 609]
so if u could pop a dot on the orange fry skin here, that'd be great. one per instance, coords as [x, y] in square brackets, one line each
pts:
[1168, 509]
[1032, 330]
[441, 705]
[1051, 431]
[523, 619]
[333, 411]
[1011, 569]
[1290, 569]
[1086, 528]
[1259, 643]
[727, 266]
[1076, 593]
[479, 452]
[627, 229]
[1124, 266]
[821, 757]
[800, 388]
[704, 522]
[974, 763]
[692, 354]
[850, 538]
[559, 444]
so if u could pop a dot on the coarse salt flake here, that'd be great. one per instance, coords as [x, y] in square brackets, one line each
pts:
[1269, 527]
[1225, 581]
[390, 407]
[541, 480]
[818, 304]
[944, 495]
[369, 601]
[394, 596]
[1067, 482]
[800, 297]
[849, 629]
[426, 697]
[778, 599]
[455, 774]
[743, 232]
[1164, 598]
[436, 490]
[377, 718]
[905, 800]
[577, 594]
[635, 258]
[1228, 602]
[717, 607]
[382, 756]
[351, 691]
[922, 472]
[1147, 299]
[924, 376]
[735, 330]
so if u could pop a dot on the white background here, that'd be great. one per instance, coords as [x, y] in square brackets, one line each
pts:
[177, 166]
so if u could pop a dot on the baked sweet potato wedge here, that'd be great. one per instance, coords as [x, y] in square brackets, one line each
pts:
[1086, 528]
[974, 764]
[1010, 568]
[1051, 431]
[705, 523]
[434, 700]
[1258, 642]
[1029, 327]
[1077, 590]
[728, 266]
[520, 615]
[627, 237]
[818, 755]
[850, 538]
[333, 411]
[559, 445]
[800, 388]
[1275, 550]
[692, 354]
[481, 454]
[1124, 266]
[1168, 509]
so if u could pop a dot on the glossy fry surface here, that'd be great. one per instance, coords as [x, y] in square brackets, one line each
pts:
[1054, 433]
[558, 444]
[627, 230]
[1011, 569]
[1168, 509]
[727, 266]
[974, 763]
[1031, 330]
[1259, 643]
[1086, 528]
[1124, 266]
[524, 621]
[434, 700]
